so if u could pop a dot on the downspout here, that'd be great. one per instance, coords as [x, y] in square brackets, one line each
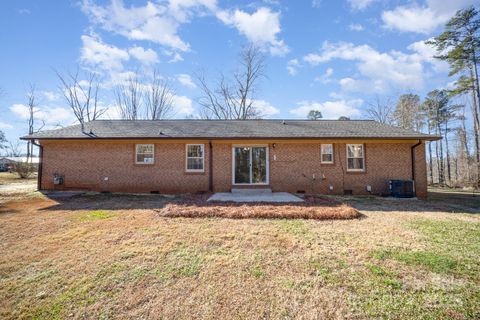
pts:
[412, 150]
[40, 164]
[210, 166]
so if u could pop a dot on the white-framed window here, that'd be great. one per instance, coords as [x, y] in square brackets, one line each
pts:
[144, 153]
[326, 153]
[355, 157]
[195, 160]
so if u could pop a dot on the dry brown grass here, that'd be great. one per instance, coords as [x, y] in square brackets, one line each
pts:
[12, 177]
[311, 210]
[108, 256]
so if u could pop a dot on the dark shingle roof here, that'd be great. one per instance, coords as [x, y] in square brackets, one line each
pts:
[231, 129]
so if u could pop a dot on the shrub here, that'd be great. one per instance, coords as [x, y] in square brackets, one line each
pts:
[24, 169]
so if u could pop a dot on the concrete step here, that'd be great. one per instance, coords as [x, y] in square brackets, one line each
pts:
[252, 191]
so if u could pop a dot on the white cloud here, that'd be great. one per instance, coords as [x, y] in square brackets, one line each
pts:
[426, 53]
[144, 56]
[51, 115]
[152, 22]
[326, 77]
[316, 3]
[159, 22]
[261, 27]
[423, 19]
[95, 52]
[329, 109]
[355, 27]
[186, 80]
[360, 4]
[413, 19]
[362, 85]
[183, 10]
[182, 105]
[292, 66]
[4, 125]
[265, 108]
[380, 71]
[176, 58]
[51, 96]
[24, 11]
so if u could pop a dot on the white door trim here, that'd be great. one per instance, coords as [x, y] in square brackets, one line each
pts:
[267, 155]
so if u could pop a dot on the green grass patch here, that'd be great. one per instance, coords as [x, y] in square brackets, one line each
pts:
[75, 297]
[433, 261]
[384, 277]
[257, 272]
[94, 215]
[180, 262]
[455, 240]
[296, 227]
[329, 269]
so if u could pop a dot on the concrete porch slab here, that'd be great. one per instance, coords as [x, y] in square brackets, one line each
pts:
[254, 197]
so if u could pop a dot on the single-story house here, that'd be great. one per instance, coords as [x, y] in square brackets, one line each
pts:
[183, 156]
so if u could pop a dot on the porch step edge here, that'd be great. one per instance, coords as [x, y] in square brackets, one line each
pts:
[252, 191]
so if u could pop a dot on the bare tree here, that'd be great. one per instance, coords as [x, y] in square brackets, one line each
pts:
[381, 111]
[128, 97]
[31, 105]
[14, 149]
[3, 139]
[235, 100]
[159, 97]
[81, 96]
[408, 113]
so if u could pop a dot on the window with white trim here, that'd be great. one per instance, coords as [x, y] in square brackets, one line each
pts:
[355, 157]
[144, 153]
[195, 157]
[326, 153]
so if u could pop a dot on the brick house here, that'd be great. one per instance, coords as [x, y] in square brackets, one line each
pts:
[181, 156]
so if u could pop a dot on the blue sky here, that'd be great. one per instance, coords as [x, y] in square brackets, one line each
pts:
[335, 56]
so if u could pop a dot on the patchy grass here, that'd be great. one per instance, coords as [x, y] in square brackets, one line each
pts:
[112, 256]
[433, 261]
[94, 215]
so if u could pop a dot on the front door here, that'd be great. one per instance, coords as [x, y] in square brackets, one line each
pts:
[250, 165]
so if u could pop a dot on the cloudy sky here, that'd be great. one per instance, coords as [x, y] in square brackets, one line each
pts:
[334, 56]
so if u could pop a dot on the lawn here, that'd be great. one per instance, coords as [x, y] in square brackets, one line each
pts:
[11, 177]
[119, 256]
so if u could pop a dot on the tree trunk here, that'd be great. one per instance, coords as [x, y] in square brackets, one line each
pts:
[430, 160]
[449, 172]
[476, 120]
[441, 171]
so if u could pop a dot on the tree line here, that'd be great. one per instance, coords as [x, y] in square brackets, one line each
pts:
[455, 160]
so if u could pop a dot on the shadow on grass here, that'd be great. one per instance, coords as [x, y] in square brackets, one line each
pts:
[196, 206]
[436, 202]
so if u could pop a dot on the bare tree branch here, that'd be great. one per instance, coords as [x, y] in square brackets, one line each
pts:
[128, 97]
[381, 111]
[159, 98]
[81, 96]
[234, 100]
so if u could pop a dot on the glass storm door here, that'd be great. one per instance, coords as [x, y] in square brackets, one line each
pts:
[250, 165]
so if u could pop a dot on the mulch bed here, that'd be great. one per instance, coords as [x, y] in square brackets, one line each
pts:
[313, 208]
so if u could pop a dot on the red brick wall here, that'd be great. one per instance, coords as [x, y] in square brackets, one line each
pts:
[296, 167]
[85, 165]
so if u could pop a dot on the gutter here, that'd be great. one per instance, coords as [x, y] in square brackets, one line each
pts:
[429, 138]
[210, 166]
[40, 164]
[412, 151]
